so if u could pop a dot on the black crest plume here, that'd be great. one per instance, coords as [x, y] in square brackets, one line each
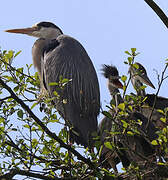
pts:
[47, 25]
[109, 70]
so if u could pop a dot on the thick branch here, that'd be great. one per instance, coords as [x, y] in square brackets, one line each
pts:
[158, 11]
[14, 172]
[45, 129]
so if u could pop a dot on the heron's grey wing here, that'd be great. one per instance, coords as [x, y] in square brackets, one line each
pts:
[161, 102]
[70, 60]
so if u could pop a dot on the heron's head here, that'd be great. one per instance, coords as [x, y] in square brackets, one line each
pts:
[40, 30]
[138, 73]
[111, 73]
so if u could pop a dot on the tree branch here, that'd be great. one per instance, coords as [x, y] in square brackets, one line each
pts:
[158, 11]
[14, 172]
[45, 129]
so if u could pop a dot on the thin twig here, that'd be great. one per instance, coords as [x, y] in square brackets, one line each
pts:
[3, 99]
[156, 95]
[14, 69]
[133, 58]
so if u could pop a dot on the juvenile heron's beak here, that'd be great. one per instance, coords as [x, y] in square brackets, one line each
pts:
[28, 31]
[117, 83]
[146, 80]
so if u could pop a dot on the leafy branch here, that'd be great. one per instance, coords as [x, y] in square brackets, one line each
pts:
[46, 130]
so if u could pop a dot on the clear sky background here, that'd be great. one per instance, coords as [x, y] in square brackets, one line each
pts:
[106, 28]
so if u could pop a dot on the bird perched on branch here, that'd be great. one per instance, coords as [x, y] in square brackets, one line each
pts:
[57, 55]
[127, 147]
[138, 78]
[106, 124]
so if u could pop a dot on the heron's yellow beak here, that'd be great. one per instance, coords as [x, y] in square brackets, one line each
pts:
[28, 31]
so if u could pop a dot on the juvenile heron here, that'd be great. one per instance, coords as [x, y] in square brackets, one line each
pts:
[138, 78]
[54, 55]
[106, 124]
[136, 143]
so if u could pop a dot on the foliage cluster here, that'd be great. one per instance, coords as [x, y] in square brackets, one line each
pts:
[28, 122]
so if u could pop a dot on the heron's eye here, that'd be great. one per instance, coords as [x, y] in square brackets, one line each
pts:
[38, 28]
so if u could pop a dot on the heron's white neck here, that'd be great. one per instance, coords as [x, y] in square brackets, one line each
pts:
[137, 84]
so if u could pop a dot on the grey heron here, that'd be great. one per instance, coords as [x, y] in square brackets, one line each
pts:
[54, 55]
[136, 142]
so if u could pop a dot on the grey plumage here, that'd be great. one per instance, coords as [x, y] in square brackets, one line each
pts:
[55, 55]
[71, 61]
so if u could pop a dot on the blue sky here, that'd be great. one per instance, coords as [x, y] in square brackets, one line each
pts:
[106, 29]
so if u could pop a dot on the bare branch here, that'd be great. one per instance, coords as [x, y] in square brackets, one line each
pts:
[156, 95]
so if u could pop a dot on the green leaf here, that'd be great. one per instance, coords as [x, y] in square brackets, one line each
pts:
[160, 111]
[121, 106]
[162, 164]
[107, 114]
[2, 119]
[128, 53]
[33, 105]
[133, 50]
[100, 150]
[154, 142]
[130, 60]
[124, 78]
[56, 93]
[125, 124]
[139, 122]
[143, 87]
[32, 89]
[26, 126]
[17, 53]
[130, 133]
[136, 66]
[163, 119]
[108, 145]
[20, 114]
[65, 80]
[54, 120]
[20, 70]
[53, 84]
[9, 55]
[34, 143]
[16, 88]
[124, 87]
[130, 107]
